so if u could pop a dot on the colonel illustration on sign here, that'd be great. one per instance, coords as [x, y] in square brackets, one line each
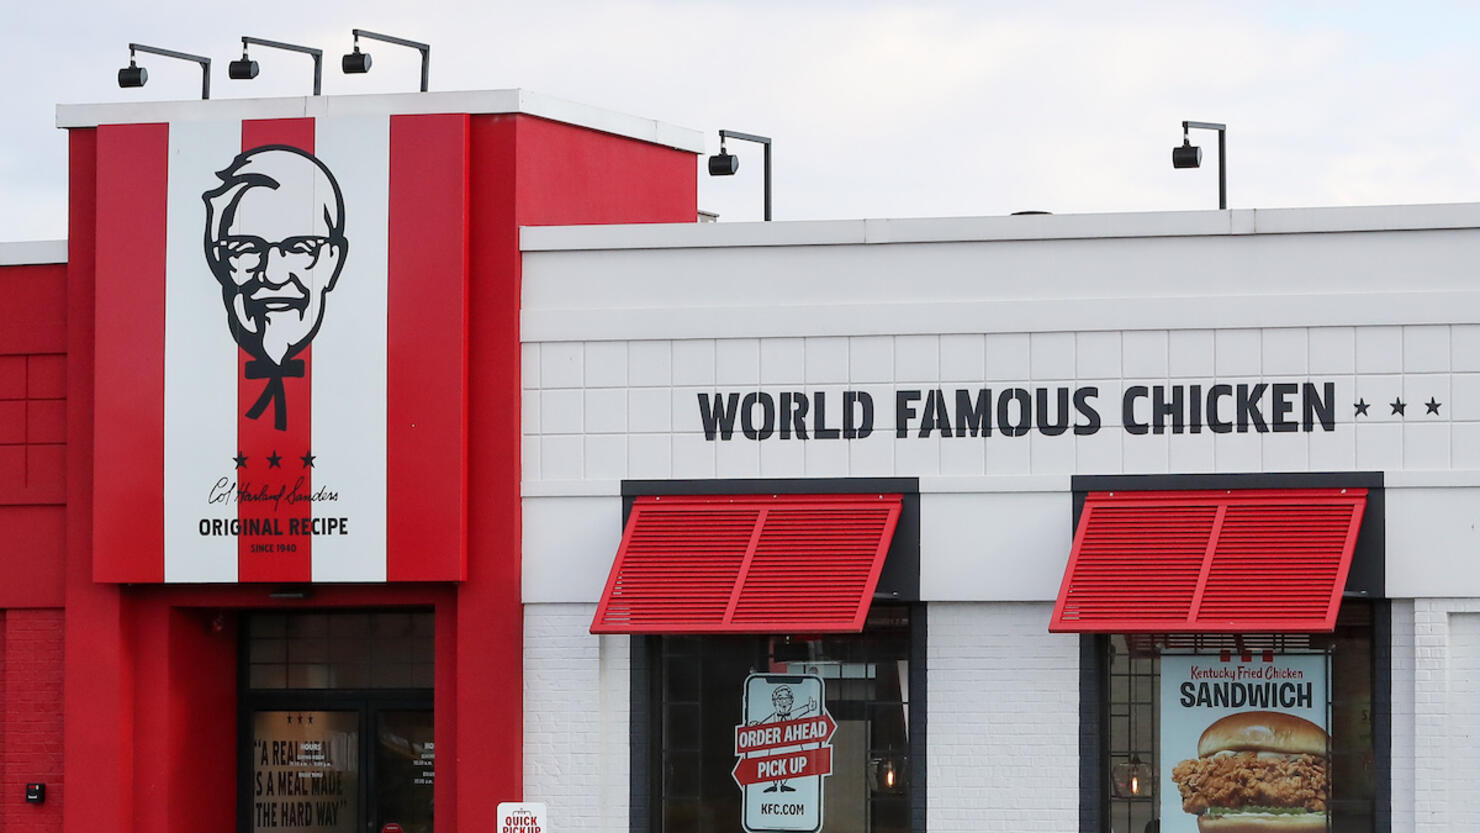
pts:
[275, 241]
[784, 748]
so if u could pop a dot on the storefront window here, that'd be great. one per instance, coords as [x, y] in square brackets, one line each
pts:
[709, 775]
[340, 650]
[1188, 718]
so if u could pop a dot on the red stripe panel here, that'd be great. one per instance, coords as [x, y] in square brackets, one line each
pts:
[133, 167]
[1223, 561]
[748, 564]
[427, 353]
[290, 557]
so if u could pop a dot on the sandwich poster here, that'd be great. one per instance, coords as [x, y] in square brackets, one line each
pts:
[1244, 745]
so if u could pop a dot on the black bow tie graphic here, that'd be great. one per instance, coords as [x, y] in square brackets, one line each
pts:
[275, 392]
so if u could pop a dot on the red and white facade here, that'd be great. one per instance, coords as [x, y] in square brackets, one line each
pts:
[510, 344]
[123, 389]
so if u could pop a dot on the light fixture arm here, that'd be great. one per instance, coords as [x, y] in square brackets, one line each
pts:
[205, 63]
[318, 56]
[763, 140]
[1222, 155]
[423, 48]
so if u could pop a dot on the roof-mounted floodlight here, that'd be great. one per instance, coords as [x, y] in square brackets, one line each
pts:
[134, 75]
[357, 62]
[246, 68]
[1190, 155]
[726, 164]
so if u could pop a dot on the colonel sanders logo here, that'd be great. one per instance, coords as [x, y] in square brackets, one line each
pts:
[275, 242]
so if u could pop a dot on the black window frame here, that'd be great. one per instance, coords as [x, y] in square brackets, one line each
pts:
[1366, 580]
[367, 702]
[899, 583]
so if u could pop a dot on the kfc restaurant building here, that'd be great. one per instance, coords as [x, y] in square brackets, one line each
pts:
[370, 461]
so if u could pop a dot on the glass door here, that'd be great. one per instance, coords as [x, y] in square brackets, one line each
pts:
[404, 769]
[305, 771]
[335, 724]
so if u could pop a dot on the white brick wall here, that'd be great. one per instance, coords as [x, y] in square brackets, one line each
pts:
[1446, 717]
[576, 700]
[1004, 720]
[1403, 657]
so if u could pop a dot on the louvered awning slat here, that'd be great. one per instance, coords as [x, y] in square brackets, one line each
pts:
[1164, 562]
[748, 563]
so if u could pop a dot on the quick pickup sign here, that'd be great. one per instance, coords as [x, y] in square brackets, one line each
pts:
[783, 748]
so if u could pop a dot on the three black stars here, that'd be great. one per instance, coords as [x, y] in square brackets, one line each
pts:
[274, 460]
[1398, 405]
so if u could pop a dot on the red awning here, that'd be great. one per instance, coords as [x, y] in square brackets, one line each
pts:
[748, 564]
[1214, 561]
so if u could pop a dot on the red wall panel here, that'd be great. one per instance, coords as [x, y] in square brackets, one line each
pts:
[33, 318]
[570, 175]
[31, 720]
[31, 571]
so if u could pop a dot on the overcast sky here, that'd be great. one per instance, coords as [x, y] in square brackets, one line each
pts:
[878, 109]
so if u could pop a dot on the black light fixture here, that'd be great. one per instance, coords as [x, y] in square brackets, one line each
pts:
[134, 75]
[358, 62]
[726, 164]
[246, 68]
[1190, 155]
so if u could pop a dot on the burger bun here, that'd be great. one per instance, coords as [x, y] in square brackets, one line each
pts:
[1258, 823]
[1261, 731]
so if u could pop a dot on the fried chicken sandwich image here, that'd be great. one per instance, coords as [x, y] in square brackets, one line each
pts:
[1257, 772]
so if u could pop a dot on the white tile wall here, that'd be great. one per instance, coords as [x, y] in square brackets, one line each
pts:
[1237, 352]
[1191, 453]
[606, 364]
[783, 360]
[1144, 353]
[693, 362]
[1379, 349]
[606, 457]
[644, 394]
[1098, 356]
[649, 363]
[606, 410]
[917, 358]
[1051, 355]
[1425, 349]
[1333, 350]
[1285, 351]
[827, 360]
[1190, 353]
[737, 362]
[560, 365]
[871, 359]
[1464, 347]
[963, 358]
[1007, 357]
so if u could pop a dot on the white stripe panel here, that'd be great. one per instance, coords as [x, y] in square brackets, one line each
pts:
[200, 364]
[349, 356]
